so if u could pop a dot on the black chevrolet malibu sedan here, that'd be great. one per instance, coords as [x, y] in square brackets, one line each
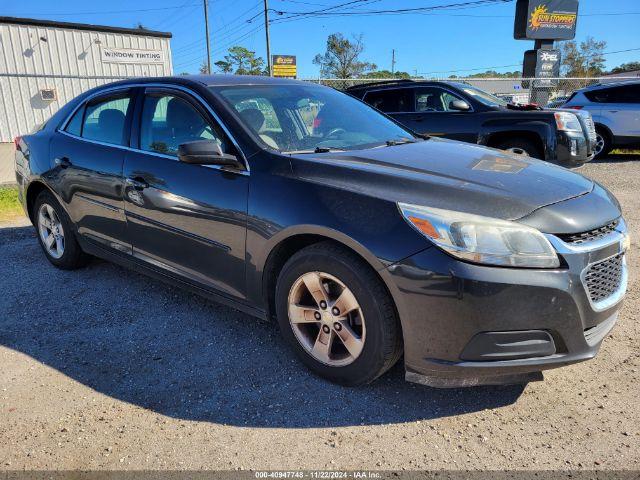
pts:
[366, 242]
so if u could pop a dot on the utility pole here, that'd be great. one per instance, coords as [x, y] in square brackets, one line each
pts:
[206, 30]
[266, 29]
[393, 61]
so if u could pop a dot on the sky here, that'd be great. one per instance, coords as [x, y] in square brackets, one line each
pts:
[452, 42]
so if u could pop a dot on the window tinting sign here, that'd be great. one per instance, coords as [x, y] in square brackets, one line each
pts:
[127, 55]
[542, 64]
[546, 19]
[284, 66]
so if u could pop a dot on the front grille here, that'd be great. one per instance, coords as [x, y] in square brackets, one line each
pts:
[603, 279]
[584, 237]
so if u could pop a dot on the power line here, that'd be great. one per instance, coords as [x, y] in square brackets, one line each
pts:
[173, 20]
[107, 12]
[472, 69]
[307, 3]
[199, 45]
[329, 12]
[191, 58]
[511, 16]
[520, 64]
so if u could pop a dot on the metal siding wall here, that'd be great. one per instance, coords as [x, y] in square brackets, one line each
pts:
[68, 61]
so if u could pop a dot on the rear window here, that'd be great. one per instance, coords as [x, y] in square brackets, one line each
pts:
[74, 126]
[621, 94]
[391, 101]
[104, 120]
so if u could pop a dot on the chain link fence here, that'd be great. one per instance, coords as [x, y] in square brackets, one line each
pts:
[553, 91]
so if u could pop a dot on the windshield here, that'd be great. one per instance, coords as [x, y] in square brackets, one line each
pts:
[484, 97]
[309, 118]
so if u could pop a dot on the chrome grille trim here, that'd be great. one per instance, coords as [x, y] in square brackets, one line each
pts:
[591, 235]
[617, 235]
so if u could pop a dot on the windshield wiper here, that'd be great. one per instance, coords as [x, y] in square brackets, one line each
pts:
[392, 143]
[327, 150]
[315, 150]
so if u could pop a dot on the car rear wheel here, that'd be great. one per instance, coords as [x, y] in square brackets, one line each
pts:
[603, 143]
[55, 233]
[337, 316]
[521, 146]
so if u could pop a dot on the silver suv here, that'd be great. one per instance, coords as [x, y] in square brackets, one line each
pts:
[615, 108]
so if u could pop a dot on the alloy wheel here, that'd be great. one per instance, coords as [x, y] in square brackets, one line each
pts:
[50, 230]
[326, 319]
[599, 143]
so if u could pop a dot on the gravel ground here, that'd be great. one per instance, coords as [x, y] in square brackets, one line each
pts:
[103, 368]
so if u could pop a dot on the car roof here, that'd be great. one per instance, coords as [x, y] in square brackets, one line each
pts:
[405, 82]
[619, 83]
[211, 80]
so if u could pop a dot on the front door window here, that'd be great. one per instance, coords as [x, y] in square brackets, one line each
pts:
[169, 121]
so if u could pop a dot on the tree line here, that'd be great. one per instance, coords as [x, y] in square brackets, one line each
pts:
[342, 58]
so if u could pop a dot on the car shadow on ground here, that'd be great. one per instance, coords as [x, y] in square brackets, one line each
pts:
[618, 158]
[140, 341]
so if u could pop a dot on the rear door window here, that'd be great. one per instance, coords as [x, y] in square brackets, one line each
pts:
[105, 120]
[621, 94]
[393, 100]
[625, 94]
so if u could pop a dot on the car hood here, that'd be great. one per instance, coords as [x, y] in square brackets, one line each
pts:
[446, 174]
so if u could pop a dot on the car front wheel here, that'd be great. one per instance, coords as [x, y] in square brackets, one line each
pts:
[336, 314]
[603, 144]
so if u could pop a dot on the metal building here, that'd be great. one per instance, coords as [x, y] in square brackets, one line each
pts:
[44, 64]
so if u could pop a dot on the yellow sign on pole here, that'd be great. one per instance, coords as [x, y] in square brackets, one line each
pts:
[284, 66]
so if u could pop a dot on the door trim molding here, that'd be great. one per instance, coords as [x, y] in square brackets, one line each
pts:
[178, 231]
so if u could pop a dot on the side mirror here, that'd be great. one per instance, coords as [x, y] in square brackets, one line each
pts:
[206, 152]
[459, 105]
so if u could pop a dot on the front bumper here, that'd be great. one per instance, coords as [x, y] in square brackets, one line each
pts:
[467, 324]
[573, 149]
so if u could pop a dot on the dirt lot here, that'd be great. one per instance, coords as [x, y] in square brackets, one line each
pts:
[102, 368]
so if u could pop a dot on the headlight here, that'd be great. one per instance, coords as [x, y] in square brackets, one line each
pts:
[567, 122]
[482, 239]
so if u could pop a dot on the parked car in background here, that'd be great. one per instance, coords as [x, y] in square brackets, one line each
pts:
[615, 108]
[558, 101]
[367, 243]
[463, 112]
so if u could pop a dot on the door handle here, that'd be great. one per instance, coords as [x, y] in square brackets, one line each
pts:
[137, 183]
[62, 162]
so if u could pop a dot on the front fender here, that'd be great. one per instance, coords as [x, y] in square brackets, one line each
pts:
[372, 227]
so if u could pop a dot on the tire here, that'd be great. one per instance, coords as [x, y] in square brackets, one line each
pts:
[374, 321]
[522, 146]
[603, 143]
[64, 251]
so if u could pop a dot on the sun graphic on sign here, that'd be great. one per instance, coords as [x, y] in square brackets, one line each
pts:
[535, 21]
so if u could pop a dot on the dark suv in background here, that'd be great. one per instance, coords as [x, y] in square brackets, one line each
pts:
[463, 112]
